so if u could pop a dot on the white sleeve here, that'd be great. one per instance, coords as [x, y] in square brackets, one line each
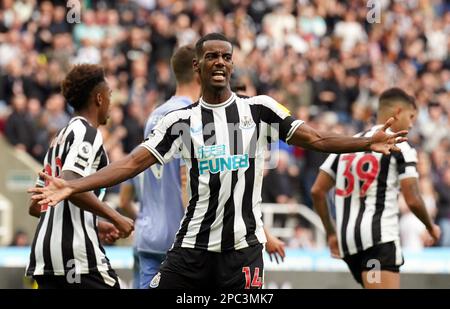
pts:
[164, 139]
[87, 142]
[406, 161]
[330, 165]
[281, 123]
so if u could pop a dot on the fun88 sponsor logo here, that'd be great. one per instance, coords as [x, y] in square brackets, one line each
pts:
[213, 159]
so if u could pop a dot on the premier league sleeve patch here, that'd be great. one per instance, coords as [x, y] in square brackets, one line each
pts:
[85, 150]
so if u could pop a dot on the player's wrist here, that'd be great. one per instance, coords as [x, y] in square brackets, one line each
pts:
[368, 143]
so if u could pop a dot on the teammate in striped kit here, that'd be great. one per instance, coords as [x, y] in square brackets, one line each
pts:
[66, 250]
[222, 139]
[367, 187]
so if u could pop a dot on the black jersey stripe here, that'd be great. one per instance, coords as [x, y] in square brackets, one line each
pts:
[193, 177]
[67, 237]
[236, 147]
[209, 138]
[90, 252]
[345, 220]
[32, 264]
[380, 198]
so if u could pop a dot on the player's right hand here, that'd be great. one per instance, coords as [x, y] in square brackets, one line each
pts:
[334, 246]
[435, 234]
[56, 190]
[125, 226]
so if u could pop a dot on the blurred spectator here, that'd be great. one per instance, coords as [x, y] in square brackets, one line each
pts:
[303, 238]
[20, 239]
[19, 127]
[277, 186]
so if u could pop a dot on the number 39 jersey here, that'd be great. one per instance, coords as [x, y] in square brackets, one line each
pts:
[367, 189]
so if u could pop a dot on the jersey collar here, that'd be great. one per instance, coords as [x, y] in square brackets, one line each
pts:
[223, 104]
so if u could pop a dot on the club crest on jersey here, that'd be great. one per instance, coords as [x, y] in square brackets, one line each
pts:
[155, 281]
[85, 150]
[246, 122]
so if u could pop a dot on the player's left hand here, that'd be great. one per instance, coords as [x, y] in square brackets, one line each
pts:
[384, 142]
[275, 248]
[107, 232]
[56, 190]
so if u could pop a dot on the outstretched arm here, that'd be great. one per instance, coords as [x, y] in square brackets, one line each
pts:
[307, 137]
[59, 189]
[410, 190]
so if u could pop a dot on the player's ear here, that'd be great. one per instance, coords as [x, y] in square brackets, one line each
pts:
[99, 98]
[398, 111]
[195, 65]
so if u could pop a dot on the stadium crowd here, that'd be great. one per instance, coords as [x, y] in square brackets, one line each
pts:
[325, 60]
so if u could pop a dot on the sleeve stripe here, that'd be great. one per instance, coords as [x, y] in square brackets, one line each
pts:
[294, 126]
[329, 171]
[154, 152]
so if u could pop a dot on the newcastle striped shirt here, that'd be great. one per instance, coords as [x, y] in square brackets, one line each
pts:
[223, 146]
[367, 189]
[66, 238]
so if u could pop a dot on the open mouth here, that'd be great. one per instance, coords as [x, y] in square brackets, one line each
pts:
[218, 75]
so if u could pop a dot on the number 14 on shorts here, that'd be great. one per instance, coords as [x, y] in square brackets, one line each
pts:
[256, 281]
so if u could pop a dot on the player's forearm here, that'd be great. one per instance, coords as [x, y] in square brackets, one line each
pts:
[333, 143]
[307, 137]
[419, 210]
[411, 193]
[323, 184]
[321, 206]
[116, 172]
[89, 202]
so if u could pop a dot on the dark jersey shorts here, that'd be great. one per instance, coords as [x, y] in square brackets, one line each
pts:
[387, 255]
[186, 268]
[85, 281]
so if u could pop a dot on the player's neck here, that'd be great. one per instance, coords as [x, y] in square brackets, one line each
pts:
[191, 91]
[216, 96]
[89, 116]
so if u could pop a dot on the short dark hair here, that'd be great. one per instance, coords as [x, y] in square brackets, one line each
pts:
[395, 94]
[79, 83]
[181, 63]
[214, 36]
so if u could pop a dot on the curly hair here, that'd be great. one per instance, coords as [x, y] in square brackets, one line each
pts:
[79, 83]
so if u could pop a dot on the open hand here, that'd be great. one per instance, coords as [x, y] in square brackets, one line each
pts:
[56, 190]
[384, 142]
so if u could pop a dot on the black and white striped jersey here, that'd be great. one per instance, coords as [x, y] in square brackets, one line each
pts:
[367, 189]
[223, 146]
[66, 238]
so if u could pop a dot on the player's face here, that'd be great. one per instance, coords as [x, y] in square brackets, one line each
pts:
[216, 64]
[105, 99]
[405, 118]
